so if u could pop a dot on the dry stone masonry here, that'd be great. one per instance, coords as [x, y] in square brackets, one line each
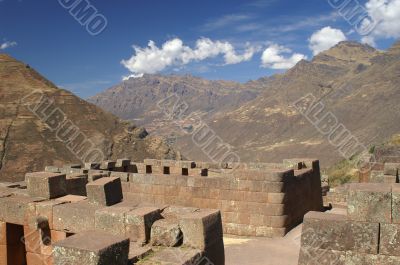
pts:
[50, 219]
[264, 200]
[155, 212]
[368, 235]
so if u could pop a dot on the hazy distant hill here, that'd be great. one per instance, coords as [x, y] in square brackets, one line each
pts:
[355, 82]
[27, 143]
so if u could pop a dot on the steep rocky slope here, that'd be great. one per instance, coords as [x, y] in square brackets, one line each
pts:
[27, 143]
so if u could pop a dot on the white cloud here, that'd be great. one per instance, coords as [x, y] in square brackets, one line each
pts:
[7, 44]
[387, 15]
[152, 59]
[325, 39]
[272, 57]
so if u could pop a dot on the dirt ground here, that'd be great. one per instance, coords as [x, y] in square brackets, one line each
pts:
[263, 251]
[266, 251]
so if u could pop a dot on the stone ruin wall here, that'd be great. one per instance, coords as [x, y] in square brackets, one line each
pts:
[368, 235]
[254, 199]
[44, 222]
[382, 172]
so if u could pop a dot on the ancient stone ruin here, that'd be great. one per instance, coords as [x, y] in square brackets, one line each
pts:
[367, 235]
[156, 212]
[44, 222]
[254, 199]
[383, 172]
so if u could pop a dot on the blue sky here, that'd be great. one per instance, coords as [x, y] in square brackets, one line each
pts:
[240, 40]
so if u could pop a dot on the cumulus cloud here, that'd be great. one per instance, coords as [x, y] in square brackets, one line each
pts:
[386, 14]
[153, 59]
[7, 44]
[273, 57]
[325, 39]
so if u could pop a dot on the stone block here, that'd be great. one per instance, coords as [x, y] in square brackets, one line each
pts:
[201, 229]
[17, 209]
[112, 219]
[391, 169]
[107, 165]
[325, 231]
[90, 165]
[396, 203]
[124, 162]
[43, 209]
[95, 176]
[76, 184]
[186, 164]
[363, 237]
[74, 217]
[370, 202]
[105, 191]
[390, 240]
[139, 222]
[92, 248]
[166, 232]
[52, 169]
[122, 175]
[46, 184]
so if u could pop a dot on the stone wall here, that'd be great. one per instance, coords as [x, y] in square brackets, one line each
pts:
[255, 199]
[367, 235]
[41, 223]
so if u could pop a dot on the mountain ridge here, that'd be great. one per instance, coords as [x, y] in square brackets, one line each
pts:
[354, 81]
[27, 143]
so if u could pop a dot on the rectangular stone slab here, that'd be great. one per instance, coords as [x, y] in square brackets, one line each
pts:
[105, 191]
[46, 184]
[139, 221]
[112, 219]
[74, 217]
[92, 248]
[325, 231]
[370, 202]
[390, 239]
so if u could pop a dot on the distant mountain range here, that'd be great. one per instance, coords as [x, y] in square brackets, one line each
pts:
[41, 125]
[356, 83]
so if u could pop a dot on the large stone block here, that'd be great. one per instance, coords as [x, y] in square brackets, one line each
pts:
[390, 239]
[17, 209]
[139, 222]
[396, 203]
[105, 191]
[107, 165]
[76, 184]
[325, 231]
[74, 217]
[391, 169]
[112, 219]
[166, 232]
[370, 202]
[363, 237]
[201, 229]
[46, 184]
[92, 248]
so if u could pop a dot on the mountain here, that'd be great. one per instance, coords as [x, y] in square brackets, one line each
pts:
[137, 98]
[29, 104]
[355, 83]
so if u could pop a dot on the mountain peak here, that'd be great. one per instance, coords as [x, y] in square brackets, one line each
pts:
[346, 52]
